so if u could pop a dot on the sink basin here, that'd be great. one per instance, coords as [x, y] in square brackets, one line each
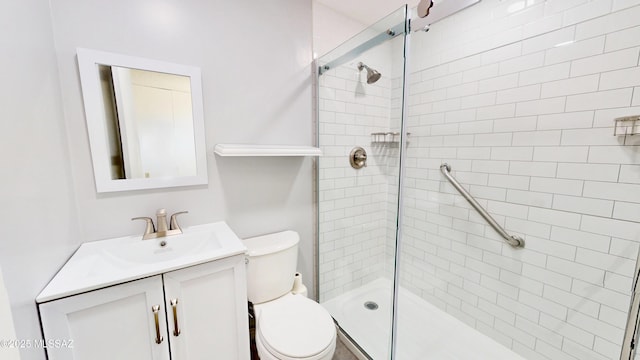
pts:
[162, 249]
[103, 263]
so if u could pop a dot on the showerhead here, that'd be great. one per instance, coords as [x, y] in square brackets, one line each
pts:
[372, 75]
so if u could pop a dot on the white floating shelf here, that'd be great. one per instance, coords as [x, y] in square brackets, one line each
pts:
[265, 150]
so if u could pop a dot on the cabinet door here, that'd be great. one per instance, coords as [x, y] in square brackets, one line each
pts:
[211, 311]
[112, 323]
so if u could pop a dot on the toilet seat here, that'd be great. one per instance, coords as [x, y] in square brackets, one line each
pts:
[293, 327]
[270, 354]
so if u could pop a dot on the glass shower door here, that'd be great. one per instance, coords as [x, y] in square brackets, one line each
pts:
[512, 115]
[360, 88]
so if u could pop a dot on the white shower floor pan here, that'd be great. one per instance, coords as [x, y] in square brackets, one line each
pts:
[424, 331]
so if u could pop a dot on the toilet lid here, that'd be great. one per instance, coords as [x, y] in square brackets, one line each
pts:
[296, 327]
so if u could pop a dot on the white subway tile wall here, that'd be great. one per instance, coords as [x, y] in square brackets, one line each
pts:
[536, 147]
[356, 216]
[519, 98]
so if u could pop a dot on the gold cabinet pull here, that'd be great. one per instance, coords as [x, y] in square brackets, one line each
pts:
[155, 309]
[174, 305]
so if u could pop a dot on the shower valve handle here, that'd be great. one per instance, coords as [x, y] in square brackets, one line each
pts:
[358, 158]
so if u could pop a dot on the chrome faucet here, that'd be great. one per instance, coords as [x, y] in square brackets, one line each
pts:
[150, 231]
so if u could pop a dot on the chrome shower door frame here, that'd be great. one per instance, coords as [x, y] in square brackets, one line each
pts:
[399, 203]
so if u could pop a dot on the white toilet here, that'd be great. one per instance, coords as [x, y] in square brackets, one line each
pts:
[288, 326]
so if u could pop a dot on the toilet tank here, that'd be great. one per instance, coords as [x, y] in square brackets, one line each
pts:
[272, 265]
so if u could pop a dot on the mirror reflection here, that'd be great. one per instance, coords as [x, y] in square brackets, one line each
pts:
[149, 123]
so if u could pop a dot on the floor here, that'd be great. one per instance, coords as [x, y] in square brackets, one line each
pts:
[424, 331]
[342, 353]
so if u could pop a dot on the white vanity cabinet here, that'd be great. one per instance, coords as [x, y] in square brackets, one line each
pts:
[212, 312]
[112, 323]
[138, 319]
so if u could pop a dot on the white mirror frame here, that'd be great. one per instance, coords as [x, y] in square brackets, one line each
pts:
[88, 61]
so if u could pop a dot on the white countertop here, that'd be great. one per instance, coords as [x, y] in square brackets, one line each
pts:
[103, 263]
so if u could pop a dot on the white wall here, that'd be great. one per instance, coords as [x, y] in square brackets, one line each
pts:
[331, 28]
[7, 330]
[38, 213]
[255, 59]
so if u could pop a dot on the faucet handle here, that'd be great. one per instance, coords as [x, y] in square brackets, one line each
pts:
[150, 228]
[173, 223]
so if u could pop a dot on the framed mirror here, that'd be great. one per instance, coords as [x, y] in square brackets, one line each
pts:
[145, 121]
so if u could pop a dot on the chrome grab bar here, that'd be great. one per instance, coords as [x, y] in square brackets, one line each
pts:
[631, 330]
[513, 240]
